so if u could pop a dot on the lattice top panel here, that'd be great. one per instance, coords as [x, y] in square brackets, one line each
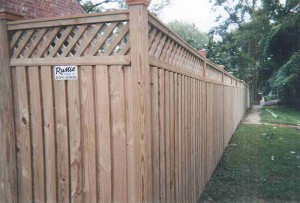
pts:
[227, 79]
[164, 48]
[96, 39]
[213, 73]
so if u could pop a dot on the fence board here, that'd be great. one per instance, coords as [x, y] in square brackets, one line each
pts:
[37, 134]
[155, 132]
[62, 156]
[118, 134]
[49, 133]
[102, 103]
[87, 107]
[162, 138]
[23, 135]
[75, 139]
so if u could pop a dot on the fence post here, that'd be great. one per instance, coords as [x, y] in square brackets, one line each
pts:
[8, 177]
[203, 53]
[139, 106]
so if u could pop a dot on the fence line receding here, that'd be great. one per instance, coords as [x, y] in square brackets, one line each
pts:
[147, 120]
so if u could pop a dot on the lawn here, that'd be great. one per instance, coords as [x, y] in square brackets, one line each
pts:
[260, 164]
[285, 115]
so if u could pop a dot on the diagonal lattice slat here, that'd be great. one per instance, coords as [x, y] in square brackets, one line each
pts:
[162, 47]
[107, 38]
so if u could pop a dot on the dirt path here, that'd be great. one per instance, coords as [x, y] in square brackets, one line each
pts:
[253, 116]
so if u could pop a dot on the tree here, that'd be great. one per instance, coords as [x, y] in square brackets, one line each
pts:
[103, 5]
[190, 33]
[263, 46]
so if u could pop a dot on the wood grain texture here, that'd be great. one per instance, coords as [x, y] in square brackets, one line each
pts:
[75, 139]
[62, 141]
[104, 142]
[118, 130]
[162, 138]
[8, 167]
[87, 107]
[36, 134]
[155, 133]
[23, 138]
[49, 133]
[139, 52]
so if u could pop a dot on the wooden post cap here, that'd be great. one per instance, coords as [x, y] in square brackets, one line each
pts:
[203, 52]
[7, 15]
[136, 2]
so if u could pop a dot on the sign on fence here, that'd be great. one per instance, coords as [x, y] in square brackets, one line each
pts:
[65, 73]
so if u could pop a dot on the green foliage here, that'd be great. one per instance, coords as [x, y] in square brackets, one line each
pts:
[286, 82]
[263, 48]
[103, 5]
[92, 7]
[271, 97]
[190, 33]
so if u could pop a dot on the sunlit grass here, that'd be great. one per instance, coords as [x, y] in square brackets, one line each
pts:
[285, 115]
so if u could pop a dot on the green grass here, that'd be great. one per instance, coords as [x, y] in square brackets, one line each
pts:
[285, 115]
[247, 173]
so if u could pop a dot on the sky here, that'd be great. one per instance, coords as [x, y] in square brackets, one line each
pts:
[192, 11]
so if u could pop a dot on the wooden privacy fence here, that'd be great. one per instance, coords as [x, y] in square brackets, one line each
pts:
[147, 119]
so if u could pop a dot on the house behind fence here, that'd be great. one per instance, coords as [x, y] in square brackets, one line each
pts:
[147, 119]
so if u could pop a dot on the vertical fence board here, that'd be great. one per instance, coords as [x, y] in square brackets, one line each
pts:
[23, 136]
[167, 136]
[75, 140]
[87, 107]
[49, 133]
[162, 143]
[176, 140]
[37, 134]
[119, 141]
[155, 133]
[61, 124]
[180, 136]
[172, 136]
[102, 107]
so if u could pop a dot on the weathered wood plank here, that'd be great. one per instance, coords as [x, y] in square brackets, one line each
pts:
[118, 128]
[36, 134]
[102, 104]
[69, 20]
[155, 133]
[62, 142]
[87, 108]
[168, 136]
[172, 136]
[49, 133]
[88, 60]
[139, 52]
[23, 138]
[75, 139]
[162, 140]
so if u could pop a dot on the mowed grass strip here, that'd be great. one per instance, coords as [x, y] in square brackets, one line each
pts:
[285, 115]
[260, 164]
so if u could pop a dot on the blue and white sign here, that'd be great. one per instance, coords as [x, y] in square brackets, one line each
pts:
[65, 73]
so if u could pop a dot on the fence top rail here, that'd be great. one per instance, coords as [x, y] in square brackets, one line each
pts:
[166, 30]
[110, 16]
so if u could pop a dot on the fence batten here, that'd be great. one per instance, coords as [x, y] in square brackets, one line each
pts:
[146, 119]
